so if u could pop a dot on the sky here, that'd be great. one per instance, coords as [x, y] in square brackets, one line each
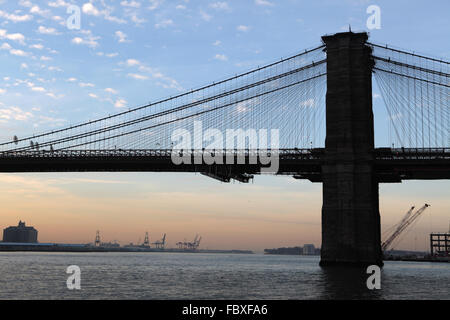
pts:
[129, 52]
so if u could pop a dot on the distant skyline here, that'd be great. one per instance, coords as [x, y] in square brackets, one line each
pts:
[130, 52]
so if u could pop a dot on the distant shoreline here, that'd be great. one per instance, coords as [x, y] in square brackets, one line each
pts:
[55, 247]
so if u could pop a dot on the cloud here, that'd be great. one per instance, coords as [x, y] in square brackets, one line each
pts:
[37, 46]
[132, 4]
[58, 3]
[137, 76]
[120, 103]
[220, 6]
[53, 68]
[243, 28]
[14, 17]
[14, 113]
[89, 9]
[54, 96]
[111, 90]
[264, 3]
[164, 23]
[205, 16]
[45, 30]
[85, 85]
[38, 89]
[133, 62]
[221, 57]
[121, 36]
[154, 4]
[18, 37]
[88, 40]
[18, 52]
[36, 10]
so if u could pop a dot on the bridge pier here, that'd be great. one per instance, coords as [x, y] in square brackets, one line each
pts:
[350, 212]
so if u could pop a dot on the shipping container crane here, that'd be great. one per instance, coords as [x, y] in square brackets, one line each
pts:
[190, 245]
[406, 221]
[160, 244]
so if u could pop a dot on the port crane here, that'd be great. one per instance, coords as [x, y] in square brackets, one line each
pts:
[190, 245]
[160, 244]
[146, 241]
[406, 221]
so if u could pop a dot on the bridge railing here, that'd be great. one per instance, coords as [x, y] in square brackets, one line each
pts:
[412, 153]
[165, 153]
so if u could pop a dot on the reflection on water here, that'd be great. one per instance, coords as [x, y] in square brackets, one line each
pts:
[346, 283]
[210, 276]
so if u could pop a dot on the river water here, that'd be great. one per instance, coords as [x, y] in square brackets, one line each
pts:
[210, 276]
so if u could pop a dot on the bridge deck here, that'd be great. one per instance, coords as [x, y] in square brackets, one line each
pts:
[391, 165]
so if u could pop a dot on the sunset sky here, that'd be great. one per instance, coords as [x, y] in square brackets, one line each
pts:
[130, 52]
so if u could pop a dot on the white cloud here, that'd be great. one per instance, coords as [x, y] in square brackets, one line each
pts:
[84, 85]
[164, 23]
[53, 68]
[154, 4]
[89, 8]
[264, 3]
[220, 6]
[37, 46]
[132, 4]
[18, 37]
[205, 16]
[221, 57]
[308, 103]
[5, 46]
[25, 3]
[15, 113]
[38, 89]
[14, 17]
[132, 62]
[88, 40]
[243, 28]
[54, 96]
[17, 52]
[120, 103]
[137, 76]
[77, 40]
[44, 30]
[58, 3]
[121, 36]
[111, 90]
[36, 10]
[217, 43]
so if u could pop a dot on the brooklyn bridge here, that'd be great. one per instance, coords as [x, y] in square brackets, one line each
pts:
[320, 100]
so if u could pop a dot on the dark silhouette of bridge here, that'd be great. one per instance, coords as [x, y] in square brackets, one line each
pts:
[327, 138]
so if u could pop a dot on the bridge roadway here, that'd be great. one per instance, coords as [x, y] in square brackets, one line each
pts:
[391, 165]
